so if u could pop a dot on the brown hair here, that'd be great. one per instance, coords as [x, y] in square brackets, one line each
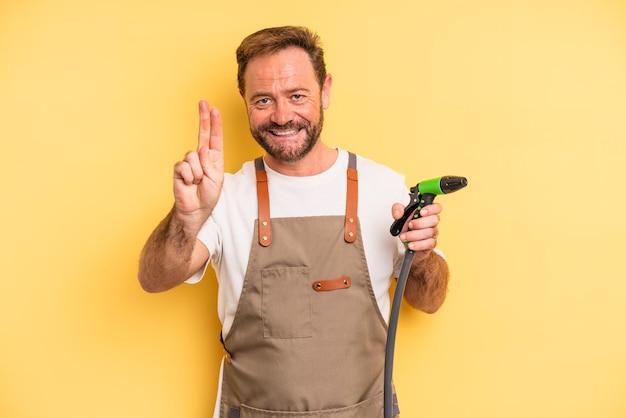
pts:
[270, 40]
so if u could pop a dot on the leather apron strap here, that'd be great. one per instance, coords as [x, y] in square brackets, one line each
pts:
[352, 200]
[263, 197]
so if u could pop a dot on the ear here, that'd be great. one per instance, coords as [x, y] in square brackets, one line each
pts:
[326, 91]
[241, 93]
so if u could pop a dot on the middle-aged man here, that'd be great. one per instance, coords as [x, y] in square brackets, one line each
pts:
[300, 243]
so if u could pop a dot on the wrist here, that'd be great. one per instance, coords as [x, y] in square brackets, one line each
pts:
[187, 222]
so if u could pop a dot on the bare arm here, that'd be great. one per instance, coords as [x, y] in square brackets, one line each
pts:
[172, 254]
[427, 284]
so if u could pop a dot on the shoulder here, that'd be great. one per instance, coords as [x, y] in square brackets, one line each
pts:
[369, 165]
[245, 175]
[377, 175]
[238, 188]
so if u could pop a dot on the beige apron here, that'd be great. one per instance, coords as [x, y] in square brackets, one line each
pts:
[308, 339]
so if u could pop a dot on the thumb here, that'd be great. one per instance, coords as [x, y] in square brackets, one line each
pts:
[397, 210]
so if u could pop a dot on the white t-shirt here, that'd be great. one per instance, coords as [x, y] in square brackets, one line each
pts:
[228, 233]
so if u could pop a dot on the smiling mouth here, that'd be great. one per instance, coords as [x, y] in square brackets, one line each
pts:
[287, 132]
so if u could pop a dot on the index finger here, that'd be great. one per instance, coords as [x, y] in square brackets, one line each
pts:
[204, 131]
[433, 209]
[216, 137]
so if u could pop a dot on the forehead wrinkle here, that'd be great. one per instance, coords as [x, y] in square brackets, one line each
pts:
[283, 81]
[280, 72]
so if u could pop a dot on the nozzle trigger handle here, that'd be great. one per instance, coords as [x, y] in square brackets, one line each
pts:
[414, 209]
[397, 226]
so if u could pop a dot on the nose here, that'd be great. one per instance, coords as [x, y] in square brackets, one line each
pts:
[282, 113]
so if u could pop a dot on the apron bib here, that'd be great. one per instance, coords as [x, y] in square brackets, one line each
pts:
[308, 339]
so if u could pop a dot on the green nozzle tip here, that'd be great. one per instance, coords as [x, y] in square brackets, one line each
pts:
[432, 186]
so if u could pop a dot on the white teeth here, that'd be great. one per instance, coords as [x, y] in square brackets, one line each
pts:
[285, 133]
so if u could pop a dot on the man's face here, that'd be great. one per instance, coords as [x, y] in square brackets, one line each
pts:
[285, 103]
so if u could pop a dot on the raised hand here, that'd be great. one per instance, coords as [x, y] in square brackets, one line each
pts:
[198, 178]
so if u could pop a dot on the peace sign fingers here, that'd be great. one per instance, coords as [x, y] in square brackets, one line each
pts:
[210, 139]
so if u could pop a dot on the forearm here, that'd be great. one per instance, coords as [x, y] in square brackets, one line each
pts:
[166, 258]
[427, 284]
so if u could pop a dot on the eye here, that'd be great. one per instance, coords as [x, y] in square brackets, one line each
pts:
[297, 97]
[263, 101]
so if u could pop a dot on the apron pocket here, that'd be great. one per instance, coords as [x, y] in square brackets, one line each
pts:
[369, 408]
[286, 302]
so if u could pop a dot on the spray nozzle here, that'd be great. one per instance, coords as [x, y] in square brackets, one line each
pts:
[440, 185]
[423, 194]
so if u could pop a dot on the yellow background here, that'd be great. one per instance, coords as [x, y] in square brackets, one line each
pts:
[526, 98]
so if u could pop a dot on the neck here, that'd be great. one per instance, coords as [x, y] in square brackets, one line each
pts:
[320, 159]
